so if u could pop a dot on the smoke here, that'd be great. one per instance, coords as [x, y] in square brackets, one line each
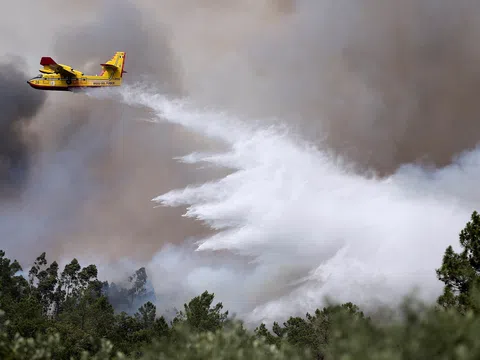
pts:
[297, 225]
[121, 26]
[98, 164]
[386, 85]
[382, 83]
[19, 106]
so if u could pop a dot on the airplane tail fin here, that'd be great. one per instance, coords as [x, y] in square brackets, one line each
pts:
[114, 66]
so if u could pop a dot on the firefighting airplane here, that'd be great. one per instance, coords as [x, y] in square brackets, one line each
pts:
[64, 78]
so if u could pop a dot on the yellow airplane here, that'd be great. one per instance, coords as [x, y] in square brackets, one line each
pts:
[64, 78]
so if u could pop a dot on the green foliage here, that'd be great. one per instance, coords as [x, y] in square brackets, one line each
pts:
[199, 314]
[312, 332]
[17, 300]
[423, 334]
[460, 272]
[70, 315]
[231, 342]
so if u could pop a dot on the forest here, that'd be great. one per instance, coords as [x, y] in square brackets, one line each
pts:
[52, 313]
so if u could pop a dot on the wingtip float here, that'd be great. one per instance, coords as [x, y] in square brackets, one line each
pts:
[62, 77]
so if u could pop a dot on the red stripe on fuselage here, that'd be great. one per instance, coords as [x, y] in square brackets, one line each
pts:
[46, 87]
[123, 63]
[62, 88]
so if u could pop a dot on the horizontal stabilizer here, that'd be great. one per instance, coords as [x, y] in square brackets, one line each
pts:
[46, 61]
[110, 66]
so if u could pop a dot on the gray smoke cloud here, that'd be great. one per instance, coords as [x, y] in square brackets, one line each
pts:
[98, 165]
[122, 26]
[18, 106]
[139, 157]
[383, 83]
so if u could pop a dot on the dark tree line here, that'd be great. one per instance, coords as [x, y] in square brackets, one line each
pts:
[70, 314]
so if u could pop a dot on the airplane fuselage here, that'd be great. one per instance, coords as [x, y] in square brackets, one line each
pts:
[62, 77]
[62, 83]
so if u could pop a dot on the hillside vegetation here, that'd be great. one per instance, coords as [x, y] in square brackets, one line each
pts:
[70, 314]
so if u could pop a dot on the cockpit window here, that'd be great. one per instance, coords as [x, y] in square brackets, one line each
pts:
[39, 76]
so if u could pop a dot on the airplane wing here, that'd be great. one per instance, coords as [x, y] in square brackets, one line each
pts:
[51, 66]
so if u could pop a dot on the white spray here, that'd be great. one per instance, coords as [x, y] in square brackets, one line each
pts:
[307, 226]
